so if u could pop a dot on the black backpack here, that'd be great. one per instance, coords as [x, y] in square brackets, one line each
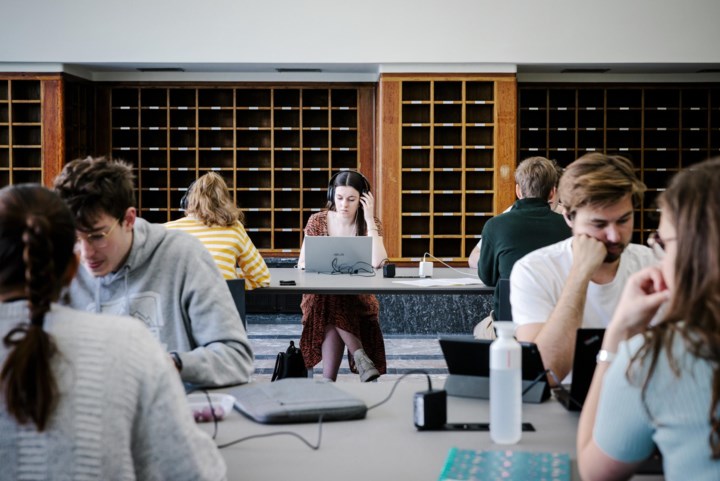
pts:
[289, 364]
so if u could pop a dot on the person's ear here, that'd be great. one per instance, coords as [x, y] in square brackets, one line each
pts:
[552, 198]
[70, 270]
[568, 218]
[129, 217]
[518, 192]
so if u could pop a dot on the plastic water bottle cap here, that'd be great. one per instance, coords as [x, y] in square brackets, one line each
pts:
[504, 329]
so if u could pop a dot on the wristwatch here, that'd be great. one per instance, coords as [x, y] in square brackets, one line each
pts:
[605, 356]
[176, 359]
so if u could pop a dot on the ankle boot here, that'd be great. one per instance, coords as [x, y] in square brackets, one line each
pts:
[365, 366]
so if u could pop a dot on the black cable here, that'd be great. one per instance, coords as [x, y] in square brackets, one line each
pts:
[362, 269]
[314, 447]
[535, 381]
[212, 413]
[560, 387]
[414, 371]
[320, 418]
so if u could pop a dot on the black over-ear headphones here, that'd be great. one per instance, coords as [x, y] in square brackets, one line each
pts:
[331, 186]
[184, 199]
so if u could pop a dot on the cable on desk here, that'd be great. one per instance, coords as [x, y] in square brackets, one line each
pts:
[212, 412]
[362, 269]
[427, 254]
[314, 447]
[414, 371]
[560, 387]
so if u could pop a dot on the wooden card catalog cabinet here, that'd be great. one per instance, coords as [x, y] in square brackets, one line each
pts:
[446, 153]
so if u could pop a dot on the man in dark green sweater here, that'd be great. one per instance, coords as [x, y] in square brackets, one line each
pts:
[529, 225]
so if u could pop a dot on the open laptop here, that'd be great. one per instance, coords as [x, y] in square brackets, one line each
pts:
[468, 361]
[297, 400]
[587, 345]
[338, 255]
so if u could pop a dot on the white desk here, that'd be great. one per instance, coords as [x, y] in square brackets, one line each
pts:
[315, 283]
[385, 446]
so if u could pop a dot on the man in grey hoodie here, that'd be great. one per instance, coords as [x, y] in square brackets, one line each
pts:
[165, 278]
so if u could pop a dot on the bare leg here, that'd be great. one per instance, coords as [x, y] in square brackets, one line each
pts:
[351, 340]
[332, 351]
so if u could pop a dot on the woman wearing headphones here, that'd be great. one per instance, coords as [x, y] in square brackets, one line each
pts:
[332, 322]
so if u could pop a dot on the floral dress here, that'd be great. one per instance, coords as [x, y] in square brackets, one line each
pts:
[357, 314]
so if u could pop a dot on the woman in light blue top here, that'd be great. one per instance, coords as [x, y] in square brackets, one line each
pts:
[661, 386]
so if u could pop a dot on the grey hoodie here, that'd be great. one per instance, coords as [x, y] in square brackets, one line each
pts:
[171, 283]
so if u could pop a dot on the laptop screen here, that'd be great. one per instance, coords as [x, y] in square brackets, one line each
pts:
[587, 345]
[338, 255]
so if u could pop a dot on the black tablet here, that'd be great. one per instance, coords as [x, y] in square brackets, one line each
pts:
[468, 362]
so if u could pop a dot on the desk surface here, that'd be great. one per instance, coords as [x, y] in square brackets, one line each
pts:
[385, 445]
[315, 283]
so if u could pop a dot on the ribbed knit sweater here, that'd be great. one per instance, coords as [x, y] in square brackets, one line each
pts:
[122, 412]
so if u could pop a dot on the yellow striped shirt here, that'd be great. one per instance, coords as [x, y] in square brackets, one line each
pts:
[229, 247]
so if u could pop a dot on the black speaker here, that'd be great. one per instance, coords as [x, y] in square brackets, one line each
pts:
[389, 270]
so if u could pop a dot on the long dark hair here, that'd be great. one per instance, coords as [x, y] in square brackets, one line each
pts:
[37, 236]
[357, 181]
[692, 202]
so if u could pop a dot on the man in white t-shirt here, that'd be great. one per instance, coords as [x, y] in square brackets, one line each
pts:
[577, 282]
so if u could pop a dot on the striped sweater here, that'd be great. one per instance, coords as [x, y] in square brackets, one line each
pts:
[230, 247]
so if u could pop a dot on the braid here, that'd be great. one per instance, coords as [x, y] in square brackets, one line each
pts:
[27, 378]
[40, 279]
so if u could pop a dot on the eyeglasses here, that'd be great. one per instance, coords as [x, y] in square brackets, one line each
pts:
[99, 240]
[657, 243]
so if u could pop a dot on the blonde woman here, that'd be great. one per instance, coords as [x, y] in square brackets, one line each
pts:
[212, 217]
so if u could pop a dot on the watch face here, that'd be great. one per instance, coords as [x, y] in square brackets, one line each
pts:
[605, 356]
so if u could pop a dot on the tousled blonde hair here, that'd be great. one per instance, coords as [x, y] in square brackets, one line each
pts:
[209, 201]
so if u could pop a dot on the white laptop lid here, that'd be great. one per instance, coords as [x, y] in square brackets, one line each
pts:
[297, 400]
[338, 255]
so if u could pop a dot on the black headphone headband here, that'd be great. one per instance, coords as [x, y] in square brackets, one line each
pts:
[184, 199]
[331, 186]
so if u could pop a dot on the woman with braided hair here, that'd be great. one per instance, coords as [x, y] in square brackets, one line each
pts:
[81, 394]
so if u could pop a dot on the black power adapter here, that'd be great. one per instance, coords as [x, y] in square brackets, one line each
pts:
[389, 270]
[430, 410]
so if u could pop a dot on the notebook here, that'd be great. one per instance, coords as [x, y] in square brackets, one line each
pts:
[587, 345]
[468, 361]
[338, 255]
[468, 464]
[297, 400]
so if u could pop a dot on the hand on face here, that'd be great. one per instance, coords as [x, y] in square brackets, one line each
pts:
[588, 254]
[644, 293]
